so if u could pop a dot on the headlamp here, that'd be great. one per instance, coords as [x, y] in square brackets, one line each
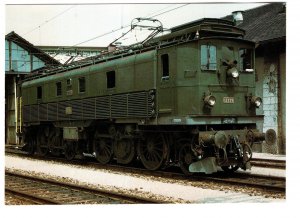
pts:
[256, 101]
[233, 72]
[210, 100]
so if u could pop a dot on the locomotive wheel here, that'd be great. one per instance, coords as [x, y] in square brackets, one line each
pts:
[153, 152]
[56, 151]
[70, 150]
[124, 151]
[55, 142]
[31, 146]
[42, 144]
[247, 152]
[230, 168]
[103, 148]
[186, 157]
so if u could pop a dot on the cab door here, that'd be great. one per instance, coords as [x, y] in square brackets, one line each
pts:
[166, 91]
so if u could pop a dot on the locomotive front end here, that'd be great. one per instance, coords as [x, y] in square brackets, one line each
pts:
[228, 107]
[229, 149]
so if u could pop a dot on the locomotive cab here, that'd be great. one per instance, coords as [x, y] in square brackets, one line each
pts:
[208, 84]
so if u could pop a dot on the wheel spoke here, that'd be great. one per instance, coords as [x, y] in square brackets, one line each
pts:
[69, 151]
[151, 152]
[124, 151]
[157, 156]
[42, 143]
[103, 149]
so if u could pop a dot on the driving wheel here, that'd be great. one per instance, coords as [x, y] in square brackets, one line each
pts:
[31, 146]
[70, 150]
[103, 148]
[124, 151]
[153, 151]
[186, 157]
[42, 144]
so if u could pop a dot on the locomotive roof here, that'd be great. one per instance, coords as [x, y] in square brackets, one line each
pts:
[179, 34]
[202, 21]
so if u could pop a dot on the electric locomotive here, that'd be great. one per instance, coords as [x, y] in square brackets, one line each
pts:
[186, 98]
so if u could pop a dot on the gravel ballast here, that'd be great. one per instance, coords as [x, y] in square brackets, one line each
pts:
[141, 186]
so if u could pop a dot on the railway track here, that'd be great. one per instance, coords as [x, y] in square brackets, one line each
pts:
[267, 183]
[46, 191]
[268, 163]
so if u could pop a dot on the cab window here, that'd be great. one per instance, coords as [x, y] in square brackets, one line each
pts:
[246, 59]
[81, 85]
[58, 89]
[39, 92]
[110, 79]
[208, 57]
[165, 66]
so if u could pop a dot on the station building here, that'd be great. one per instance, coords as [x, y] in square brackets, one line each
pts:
[266, 26]
[21, 58]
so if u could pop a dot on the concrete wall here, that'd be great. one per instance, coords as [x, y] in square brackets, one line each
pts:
[270, 82]
[10, 123]
[282, 105]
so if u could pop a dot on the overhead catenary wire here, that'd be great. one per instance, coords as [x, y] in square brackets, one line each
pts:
[115, 30]
[48, 21]
[152, 15]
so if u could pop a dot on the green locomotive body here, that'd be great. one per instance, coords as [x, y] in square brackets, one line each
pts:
[186, 98]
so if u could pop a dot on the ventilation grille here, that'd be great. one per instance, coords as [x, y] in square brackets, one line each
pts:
[103, 107]
[130, 105]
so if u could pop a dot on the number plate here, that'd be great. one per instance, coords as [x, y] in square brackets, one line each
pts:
[228, 100]
[229, 120]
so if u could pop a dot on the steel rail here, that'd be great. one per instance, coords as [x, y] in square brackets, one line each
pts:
[31, 197]
[268, 163]
[272, 183]
[113, 195]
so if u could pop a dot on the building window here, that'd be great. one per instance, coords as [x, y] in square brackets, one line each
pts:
[165, 66]
[39, 92]
[81, 86]
[20, 59]
[58, 89]
[111, 79]
[208, 57]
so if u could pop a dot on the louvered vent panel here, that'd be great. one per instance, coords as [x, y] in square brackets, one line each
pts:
[119, 106]
[34, 113]
[43, 112]
[76, 109]
[102, 107]
[62, 111]
[89, 108]
[137, 104]
[52, 111]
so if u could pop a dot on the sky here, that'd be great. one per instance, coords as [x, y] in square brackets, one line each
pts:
[76, 25]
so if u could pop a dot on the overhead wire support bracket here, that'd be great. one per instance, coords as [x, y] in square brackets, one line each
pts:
[156, 29]
[134, 24]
